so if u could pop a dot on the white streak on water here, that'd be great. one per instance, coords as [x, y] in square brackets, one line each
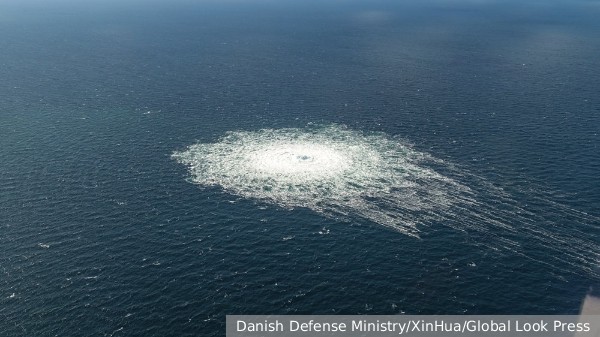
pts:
[331, 170]
[349, 174]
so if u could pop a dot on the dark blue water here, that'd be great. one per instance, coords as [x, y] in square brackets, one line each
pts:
[102, 234]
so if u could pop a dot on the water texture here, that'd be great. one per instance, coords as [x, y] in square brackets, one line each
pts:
[165, 164]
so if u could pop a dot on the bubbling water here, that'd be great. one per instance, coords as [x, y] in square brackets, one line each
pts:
[306, 161]
[331, 170]
[352, 175]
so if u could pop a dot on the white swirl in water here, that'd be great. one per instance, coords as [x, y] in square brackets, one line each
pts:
[349, 174]
[331, 170]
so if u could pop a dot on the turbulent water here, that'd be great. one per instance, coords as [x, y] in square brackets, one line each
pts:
[331, 170]
[345, 173]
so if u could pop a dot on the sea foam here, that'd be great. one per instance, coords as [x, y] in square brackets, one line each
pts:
[353, 175]
[331, 170]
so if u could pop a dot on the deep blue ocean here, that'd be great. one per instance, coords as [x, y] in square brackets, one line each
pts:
[104, 233]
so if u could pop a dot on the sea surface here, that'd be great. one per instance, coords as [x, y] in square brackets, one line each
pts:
[106, 231]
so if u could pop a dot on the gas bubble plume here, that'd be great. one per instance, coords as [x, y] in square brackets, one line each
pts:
[330, 170]
[351, 175]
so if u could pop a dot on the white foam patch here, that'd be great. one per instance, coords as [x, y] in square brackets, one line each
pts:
[331, 170]
[353, 175]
